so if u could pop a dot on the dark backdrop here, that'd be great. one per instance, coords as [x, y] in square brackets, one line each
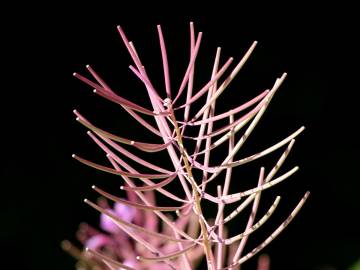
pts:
[43, 188]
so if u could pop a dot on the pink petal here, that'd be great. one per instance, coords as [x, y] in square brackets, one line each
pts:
[124, 212]
[107, 224]
[97, 241]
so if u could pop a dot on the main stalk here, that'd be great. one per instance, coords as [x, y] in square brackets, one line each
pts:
[197, 195]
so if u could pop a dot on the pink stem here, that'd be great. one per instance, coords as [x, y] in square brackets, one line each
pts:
[165, 62]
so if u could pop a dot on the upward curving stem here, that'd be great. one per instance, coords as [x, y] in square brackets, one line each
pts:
[197, 196]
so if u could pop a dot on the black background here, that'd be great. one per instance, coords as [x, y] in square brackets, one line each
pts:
[43, 188]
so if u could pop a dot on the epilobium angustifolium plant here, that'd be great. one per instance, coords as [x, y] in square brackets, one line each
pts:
[138, 233]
